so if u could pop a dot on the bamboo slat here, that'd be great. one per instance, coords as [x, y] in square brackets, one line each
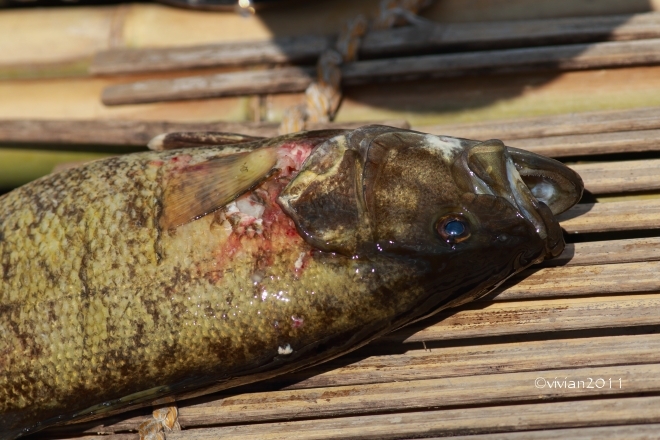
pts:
[136, 132]
[620, 177]
[500, 318]
[555, 58]
[405, 40]
[635, 119]
[489, 389]
[566, 281]
[581, 413]
[444, 362]
[614, 216]
[636, 130]
[607, 252]
[592, 144]
[629, 432]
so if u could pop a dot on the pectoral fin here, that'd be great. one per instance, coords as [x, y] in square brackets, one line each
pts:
[191, 139]
[196, 190]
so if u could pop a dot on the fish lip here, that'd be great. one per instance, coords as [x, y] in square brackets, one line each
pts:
[568, 184]
[495, 169]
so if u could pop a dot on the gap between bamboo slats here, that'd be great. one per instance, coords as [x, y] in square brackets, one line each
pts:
[404, 40]
[297, 79]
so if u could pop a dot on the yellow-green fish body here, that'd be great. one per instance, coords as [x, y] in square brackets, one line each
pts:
[166, 273]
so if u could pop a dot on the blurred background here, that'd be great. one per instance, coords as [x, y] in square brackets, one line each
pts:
[59, 61]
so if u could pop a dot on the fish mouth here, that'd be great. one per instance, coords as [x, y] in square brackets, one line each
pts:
[539, 187]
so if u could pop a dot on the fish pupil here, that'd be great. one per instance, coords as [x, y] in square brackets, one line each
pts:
[454, 228]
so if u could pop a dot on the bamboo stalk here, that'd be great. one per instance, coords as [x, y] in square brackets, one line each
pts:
[569, 281]
[138, 133]
[592, 144]
[405, 40]
[628, 432]
[620, 177]
[553, 127]
[607, 252]
[576, 416]
[501, 318]
[352, 400]
[506, 418]
[555, 58]
[611, 217]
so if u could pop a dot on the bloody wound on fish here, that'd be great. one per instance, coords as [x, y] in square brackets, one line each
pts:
[232, 259]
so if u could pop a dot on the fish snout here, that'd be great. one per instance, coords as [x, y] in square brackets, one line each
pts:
[537, 186]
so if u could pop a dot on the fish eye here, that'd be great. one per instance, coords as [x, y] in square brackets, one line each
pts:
[453, 228]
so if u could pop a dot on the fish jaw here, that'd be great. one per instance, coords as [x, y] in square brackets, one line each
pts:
[538, 187]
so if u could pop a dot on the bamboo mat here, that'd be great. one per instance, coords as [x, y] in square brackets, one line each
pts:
[499, 367]
[493, 369]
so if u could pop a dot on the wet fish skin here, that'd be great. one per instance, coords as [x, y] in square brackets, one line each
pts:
[103, 307]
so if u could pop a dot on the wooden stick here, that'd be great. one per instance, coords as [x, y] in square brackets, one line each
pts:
[561, 125]
[303, 49]
[620, 177]
[488, 389]
[441, 362]
[466, 360]
[522, 417]
[591, 144]
[138, 133]
[635, 415]
[554, 58]
[288, 79]
[501, 318]
[405, 40]
[608, 252]
[568, 281]
[613, 216]
[629, 432]
[293, 79]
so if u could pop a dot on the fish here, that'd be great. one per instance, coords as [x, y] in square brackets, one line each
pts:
[217, 260]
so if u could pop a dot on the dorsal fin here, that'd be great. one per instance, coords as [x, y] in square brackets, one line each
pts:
[196, 190]
[191, 139]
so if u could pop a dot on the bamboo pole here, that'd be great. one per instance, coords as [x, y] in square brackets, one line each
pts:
[296, 79]
[139, 132]
[405, 40]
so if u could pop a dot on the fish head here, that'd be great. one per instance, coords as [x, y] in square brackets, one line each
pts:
[480, 211]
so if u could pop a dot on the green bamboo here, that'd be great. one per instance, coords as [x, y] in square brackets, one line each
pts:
[20, 166]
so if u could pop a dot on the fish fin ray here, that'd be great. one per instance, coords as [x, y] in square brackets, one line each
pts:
[191, 139]
[197, 190]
